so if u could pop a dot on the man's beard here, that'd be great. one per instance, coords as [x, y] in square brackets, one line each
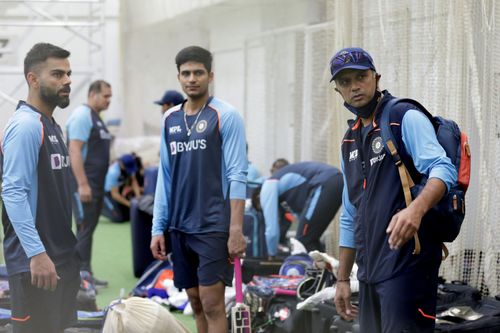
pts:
[53, 98]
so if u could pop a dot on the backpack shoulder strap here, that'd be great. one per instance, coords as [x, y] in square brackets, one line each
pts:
[385, 125]
[391, 146]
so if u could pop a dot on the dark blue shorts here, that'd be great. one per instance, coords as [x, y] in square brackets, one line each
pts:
[401, 304]
[200, 260]
[38, 310]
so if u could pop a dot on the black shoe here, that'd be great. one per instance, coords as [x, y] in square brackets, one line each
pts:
[100, 283]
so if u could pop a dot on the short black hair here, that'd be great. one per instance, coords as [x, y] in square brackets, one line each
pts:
[97, 85]
[280, 163]
[196, 54]
[40, 52]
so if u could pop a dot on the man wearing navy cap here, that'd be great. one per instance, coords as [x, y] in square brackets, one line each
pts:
[170, 98]
[120, 173]
[397, 288]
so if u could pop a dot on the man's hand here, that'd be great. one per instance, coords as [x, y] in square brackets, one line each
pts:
[236, 244]
[343, 301]
[403, 226]
[43, 272]
[85, 193]
[158, 247]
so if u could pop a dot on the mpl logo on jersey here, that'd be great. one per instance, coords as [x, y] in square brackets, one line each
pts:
[353, 155]
[179, 147]
[174, 129]
[53, 139]
[105, 135]
[58, 161]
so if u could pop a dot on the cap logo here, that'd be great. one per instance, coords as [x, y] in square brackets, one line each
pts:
[355, 58]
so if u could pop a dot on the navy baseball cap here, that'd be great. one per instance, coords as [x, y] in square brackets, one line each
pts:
[171, 96]
[128, 161]
[351, 57]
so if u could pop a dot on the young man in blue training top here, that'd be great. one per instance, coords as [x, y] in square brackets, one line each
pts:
[201, 189]
[39, 245]
[397, 288]
[312, 190]
[88, 143]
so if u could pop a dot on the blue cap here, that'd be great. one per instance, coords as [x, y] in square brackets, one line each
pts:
[171, 96]
[129, 162]
[351, 57]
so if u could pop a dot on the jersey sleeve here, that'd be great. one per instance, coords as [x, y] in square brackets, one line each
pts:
[347, 214]
[428, 155]
[162, 194]
[269, 202]
[79, 124]
[234, 152]
[112, 177]
[21, 146]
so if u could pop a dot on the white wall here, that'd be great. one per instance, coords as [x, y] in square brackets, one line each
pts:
[87, 63]
[225, 27]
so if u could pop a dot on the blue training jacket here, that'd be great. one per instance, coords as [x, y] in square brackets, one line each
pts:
[200, 173]
[373, 194]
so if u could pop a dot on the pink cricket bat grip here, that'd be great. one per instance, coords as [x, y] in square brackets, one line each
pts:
[237, 280]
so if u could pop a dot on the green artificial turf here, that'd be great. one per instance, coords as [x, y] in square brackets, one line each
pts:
[112, 261]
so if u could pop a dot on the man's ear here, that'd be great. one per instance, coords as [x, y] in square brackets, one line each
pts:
[210, 76]
[32, 79]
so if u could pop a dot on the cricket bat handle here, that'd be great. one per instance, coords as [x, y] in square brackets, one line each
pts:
[237, 280]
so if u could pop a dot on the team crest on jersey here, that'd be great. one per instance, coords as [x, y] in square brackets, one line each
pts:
[377, 145]
[201, 126]
[353, 155]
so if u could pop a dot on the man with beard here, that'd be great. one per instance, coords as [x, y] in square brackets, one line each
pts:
[201, 190]
[89, 143]
[39, 245]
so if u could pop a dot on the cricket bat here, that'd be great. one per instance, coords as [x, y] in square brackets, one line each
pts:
[240, 313]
